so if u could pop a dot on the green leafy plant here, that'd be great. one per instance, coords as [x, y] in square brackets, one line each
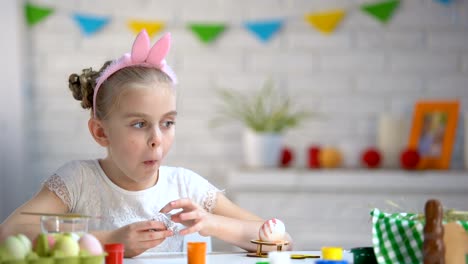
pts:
[266, 111]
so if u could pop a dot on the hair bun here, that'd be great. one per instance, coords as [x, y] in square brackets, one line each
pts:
[82, 86]
[75, 87]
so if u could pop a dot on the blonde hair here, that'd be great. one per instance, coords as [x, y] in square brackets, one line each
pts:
[82, 86]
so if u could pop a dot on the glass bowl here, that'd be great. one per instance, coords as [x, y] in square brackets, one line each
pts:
[64, 224]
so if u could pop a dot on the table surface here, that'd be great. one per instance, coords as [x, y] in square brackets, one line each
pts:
[221, 257]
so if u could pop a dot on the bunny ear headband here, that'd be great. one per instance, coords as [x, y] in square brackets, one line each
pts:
[142, 55]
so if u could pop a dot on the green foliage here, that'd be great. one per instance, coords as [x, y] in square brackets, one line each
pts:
[265, 111]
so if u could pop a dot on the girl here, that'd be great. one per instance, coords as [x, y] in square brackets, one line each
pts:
[133, 113]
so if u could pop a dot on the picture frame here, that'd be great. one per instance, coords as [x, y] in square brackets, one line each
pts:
[433, 132]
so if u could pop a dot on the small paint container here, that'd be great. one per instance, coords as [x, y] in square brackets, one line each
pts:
[115, 253]
[196, 252]
[364, 255]
[324, 261]
[332, 253]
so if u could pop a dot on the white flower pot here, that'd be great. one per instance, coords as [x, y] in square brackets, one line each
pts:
[392, 138]
[262, 149]
[465, 120]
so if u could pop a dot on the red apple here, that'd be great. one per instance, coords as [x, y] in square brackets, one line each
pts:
[409, 159]
[371, 158]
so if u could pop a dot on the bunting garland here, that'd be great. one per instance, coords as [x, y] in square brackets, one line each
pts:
[207, 33]
[152, 27]
[35, 14]
[264, 30]
[383, 11]
[325, 22]
[445, 2]
[89, 24]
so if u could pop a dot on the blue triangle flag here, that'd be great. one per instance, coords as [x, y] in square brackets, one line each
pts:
[90, 24]
[264, 30]
[445, 2]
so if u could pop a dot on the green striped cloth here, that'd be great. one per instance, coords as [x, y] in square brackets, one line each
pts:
[398, 238]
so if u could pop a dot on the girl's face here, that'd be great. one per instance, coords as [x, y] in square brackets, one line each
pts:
[140, 132]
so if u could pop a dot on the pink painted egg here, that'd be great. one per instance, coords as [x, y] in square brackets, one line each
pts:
[91, 244]
[272, 230]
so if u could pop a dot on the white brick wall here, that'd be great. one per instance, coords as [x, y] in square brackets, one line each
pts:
[363, 69]
[12, 156]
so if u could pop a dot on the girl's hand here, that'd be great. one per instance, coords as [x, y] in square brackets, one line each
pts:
[140, 236]
[192, 215]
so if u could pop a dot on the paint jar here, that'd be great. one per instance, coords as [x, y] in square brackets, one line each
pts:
[364, 255]
[279, 257]
[196, 252]
[332, 253]
[115, 253]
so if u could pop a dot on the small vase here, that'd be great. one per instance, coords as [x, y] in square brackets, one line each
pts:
[262, 149]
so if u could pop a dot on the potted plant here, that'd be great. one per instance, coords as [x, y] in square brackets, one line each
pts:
[266, 115]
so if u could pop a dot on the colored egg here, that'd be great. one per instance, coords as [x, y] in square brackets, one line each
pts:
[91, 244]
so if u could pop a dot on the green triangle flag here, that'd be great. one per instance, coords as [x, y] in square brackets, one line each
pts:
[35, 14]
[383, 11]
[207, 32]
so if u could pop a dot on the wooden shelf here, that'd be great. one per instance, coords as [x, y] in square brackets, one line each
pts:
[331, 207]
[352, 180]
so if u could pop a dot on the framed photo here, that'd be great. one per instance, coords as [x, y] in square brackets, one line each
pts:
[433, 132]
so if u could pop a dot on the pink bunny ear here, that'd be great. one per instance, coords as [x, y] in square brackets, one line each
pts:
[141, 55]
[140, 47]
[159, 51]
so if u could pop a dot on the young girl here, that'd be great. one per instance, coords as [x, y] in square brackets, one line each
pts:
[133, 113]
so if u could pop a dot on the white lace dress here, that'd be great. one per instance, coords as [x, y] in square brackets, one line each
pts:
[84, 188]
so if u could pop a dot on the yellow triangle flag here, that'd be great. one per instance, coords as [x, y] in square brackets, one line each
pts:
[325, 22]
[152, 27]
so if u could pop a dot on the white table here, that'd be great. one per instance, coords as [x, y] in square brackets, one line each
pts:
[224, 258]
